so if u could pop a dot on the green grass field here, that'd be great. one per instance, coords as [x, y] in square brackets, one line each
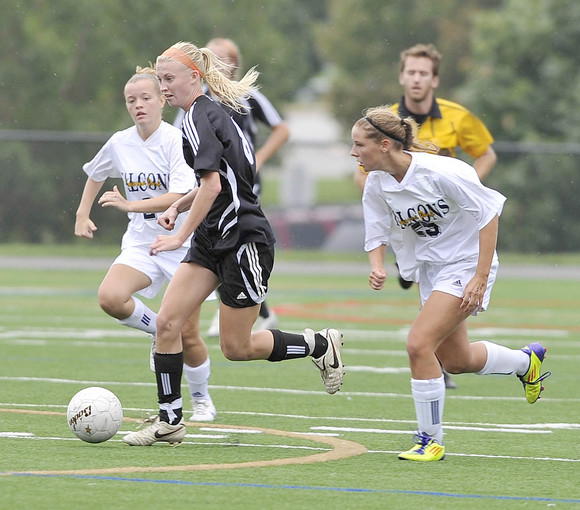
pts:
[279, 440]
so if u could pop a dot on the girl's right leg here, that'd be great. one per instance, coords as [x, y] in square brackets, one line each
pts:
[116, 297]
[190, 286]
[439, 319]
[187, 290]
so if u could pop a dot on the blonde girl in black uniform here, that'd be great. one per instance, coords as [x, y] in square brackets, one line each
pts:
[232, 244]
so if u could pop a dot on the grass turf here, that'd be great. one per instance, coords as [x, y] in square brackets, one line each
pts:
[502, 452]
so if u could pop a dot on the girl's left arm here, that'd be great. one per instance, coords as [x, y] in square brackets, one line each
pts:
[472, 298]
[116, 199]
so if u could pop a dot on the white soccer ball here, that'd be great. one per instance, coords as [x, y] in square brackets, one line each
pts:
[95, 414]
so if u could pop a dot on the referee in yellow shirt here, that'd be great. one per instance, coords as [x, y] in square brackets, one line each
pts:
[442, 122]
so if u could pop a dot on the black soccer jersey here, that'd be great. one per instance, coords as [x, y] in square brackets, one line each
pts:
[213, 142]
[259, 109]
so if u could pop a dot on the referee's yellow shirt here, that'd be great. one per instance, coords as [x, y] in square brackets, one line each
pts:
[450, 125]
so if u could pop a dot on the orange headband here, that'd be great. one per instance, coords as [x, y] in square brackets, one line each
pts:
[180, 56]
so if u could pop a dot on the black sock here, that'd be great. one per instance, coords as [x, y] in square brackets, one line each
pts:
[168, 372]
[264, 312]
[288, 346]
[320, 345]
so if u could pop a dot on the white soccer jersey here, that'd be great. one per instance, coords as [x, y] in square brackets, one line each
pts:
[148, 169]
[433, 216]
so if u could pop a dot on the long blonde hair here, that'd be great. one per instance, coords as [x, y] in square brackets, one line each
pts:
[380, 122]
[229, 92]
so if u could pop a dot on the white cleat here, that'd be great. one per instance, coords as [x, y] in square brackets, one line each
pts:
[330, 363]
[203, 410]
[157, 431]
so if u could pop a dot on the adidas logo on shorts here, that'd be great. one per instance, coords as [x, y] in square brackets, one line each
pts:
[456, 283]
[241, 295]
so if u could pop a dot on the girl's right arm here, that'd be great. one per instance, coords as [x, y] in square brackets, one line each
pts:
[84, 227]
[167, 219]
[378, 275]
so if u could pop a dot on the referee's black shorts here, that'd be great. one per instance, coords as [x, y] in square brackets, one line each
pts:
[243, 273]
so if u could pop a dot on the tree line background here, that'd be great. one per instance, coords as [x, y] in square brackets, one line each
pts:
[515, 63]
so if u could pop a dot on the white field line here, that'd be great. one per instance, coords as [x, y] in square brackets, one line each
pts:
[30, 340]
[286, 391]
[354, 334]
[485, 456]
[65, 333]
[29, 436]
[379, 370]
[403, 354]
[80, 337]
[511, 428]
[293, 447]
[455, 424]
[474, 331]
[447, 427]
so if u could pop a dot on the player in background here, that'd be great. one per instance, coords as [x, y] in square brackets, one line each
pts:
[233, 245]
[442, 224]
[446, 124]
[148, 157]
[257, 110]
[442, 122]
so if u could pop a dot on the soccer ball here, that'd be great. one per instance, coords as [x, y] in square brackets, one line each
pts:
[94, 414]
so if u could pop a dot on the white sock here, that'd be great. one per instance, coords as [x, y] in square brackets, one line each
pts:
[429, 397]
[310, 341]
[197, 379]
[142, 318]
[171, 407]
[504, 361]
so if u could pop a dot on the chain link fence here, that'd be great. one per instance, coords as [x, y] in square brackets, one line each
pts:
[43, 181]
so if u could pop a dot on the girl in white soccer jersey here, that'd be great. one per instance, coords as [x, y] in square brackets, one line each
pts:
[441, 224]
[148, 157]
[232, 245]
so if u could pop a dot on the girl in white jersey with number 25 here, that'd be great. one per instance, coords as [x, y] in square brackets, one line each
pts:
[441, 224]
[149, 159]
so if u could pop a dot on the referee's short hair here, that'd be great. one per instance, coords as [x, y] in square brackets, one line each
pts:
[422, 50]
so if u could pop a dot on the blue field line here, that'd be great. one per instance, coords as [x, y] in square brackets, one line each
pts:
[308, 488]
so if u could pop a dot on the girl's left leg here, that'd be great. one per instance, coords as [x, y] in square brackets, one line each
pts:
[238, 343]
[439, 320]
[116, 297]
[488, 358]
[196, 370]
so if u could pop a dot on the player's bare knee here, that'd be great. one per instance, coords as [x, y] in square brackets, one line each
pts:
[455, 366]
[234, 352]
[452, 368]
[191, 334]
[110, 303]
[164, 325]
[416, 350]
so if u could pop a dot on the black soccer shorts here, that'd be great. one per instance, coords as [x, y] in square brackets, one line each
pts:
[243, 273]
